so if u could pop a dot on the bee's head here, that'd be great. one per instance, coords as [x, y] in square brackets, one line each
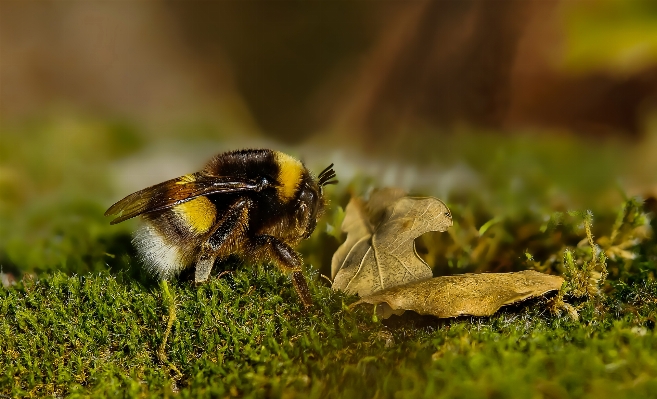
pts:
[310, 204]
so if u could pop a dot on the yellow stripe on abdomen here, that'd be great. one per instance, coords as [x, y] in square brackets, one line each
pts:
[198, 214]
[289, 175]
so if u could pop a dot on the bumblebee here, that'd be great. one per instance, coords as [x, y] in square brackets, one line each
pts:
[257, 204]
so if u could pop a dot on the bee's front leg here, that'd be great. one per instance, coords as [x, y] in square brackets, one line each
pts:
[224, 239]
[286, 258]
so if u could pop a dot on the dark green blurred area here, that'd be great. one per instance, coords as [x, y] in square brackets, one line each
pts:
[53, 195]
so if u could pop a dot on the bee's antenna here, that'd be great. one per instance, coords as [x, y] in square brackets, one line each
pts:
[322, 173]
[326, 175]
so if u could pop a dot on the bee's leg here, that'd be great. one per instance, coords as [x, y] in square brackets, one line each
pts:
[224, 239]
[204, 265]
[286, 258]
[300, 285]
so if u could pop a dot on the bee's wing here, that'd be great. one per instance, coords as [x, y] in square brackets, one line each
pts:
[176, 191]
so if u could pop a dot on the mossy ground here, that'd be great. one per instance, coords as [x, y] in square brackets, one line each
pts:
[84, 320]
[247, 335]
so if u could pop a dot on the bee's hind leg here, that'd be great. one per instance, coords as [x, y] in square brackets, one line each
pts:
[287, 259]
[224, 239]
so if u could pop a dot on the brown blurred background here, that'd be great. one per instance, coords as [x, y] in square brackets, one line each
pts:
[293, 69]
[506, 109]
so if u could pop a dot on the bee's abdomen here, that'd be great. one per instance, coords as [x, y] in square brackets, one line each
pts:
[162, 254]
[198, 215]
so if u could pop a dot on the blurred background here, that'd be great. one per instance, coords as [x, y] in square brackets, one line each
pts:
[503, 108]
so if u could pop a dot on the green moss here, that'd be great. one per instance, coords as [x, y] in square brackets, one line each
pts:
[85, 321]
[247, 334]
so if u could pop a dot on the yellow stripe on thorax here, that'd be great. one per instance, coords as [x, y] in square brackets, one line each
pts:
[198, 214]
[289, 175]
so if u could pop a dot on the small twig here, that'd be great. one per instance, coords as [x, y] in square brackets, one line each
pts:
[225, 272]
[161, 353]
[589, 236]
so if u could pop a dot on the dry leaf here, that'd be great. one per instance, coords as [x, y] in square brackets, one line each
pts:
[380, 200]
[357, 227]
[465, 294]
[380, 251]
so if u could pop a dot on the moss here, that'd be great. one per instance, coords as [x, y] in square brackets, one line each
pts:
[85, 321]
[246, 334]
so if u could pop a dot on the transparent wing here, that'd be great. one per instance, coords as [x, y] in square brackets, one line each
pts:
[176, 191]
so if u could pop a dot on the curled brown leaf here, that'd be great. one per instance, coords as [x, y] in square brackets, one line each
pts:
[466, 294]
[380, 251]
